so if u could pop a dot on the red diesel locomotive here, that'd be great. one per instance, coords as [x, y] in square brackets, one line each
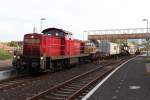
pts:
[51, 50]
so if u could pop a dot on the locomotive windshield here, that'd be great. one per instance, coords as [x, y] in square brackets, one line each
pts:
[32, 41]
[54, 33]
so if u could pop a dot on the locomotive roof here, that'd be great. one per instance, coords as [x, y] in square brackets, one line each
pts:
[66, 32]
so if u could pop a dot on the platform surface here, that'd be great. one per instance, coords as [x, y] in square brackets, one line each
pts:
[5, 64]
[130, 82]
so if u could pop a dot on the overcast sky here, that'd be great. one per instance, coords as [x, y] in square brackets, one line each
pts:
[18, 17]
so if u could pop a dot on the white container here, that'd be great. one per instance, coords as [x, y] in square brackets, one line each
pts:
[132, 49]
[109, 48]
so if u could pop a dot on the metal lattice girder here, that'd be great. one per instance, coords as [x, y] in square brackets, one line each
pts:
[133, 33]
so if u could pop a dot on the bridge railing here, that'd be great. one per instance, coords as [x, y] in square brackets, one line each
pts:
[117, 31]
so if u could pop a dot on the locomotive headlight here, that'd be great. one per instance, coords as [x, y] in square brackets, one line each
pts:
[32, 36]
[18, 57]
[14, 56]
[41, 58]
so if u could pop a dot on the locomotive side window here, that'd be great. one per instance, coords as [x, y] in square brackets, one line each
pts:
[54, 33]
[48, 32]
[69, 37]
[60, 34]
[57, 34]
[32, 40]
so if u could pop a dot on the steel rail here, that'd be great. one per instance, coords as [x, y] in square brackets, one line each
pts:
[77, 92]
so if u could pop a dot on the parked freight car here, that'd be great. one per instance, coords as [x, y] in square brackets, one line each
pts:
[132, 48]
[102, 49]
[108, 48]
[90, 47]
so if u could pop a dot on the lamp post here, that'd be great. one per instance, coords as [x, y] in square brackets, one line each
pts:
[146, 24]
[147, 39]
[41, 23]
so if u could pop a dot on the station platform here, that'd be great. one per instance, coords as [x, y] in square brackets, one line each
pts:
[5, 64]
[129, 82]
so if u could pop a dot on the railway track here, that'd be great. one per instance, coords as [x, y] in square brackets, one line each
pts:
[12, 86]
[18, 82]
[76, 87]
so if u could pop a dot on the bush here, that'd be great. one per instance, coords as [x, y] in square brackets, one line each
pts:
[4, 55]
[12, 44]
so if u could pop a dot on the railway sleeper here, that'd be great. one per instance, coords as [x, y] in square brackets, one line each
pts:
[86, 80]
[77, 86]
[10, 83]
[64, 92]
[55, 94]
[77, 83]
[68, 89]
[50, 98]
[80, 96]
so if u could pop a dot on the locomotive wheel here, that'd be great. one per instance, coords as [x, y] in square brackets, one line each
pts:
[52, 69]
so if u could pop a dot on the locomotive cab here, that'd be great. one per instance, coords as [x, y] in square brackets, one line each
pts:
[57, 33]
[53, 32]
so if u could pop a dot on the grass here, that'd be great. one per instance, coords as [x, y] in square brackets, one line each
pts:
[148, 74]
[147, 59]
[4, 55]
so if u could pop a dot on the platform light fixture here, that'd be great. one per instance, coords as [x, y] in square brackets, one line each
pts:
[41, 23]
[146, 24]
[147, 39]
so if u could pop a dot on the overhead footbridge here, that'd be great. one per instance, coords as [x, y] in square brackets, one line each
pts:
[132, 33]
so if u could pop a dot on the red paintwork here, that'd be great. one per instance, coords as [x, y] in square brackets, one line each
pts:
[30, 49]
[72, 47]
[52, 45]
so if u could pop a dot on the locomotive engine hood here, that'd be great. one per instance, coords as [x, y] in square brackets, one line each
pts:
[31, 45]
